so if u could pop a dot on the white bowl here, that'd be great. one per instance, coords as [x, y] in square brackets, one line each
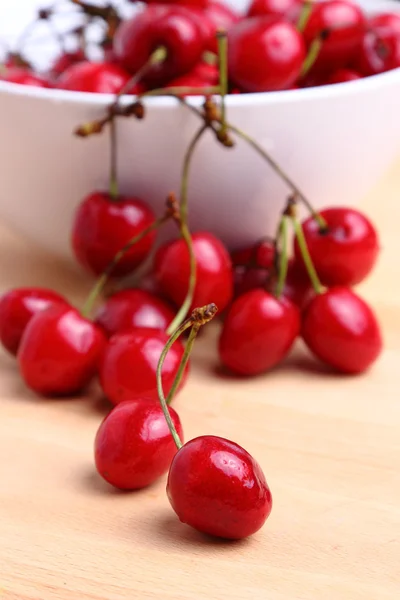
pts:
[334, 141]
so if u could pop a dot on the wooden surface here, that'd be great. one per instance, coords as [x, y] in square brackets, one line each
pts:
[329, 445]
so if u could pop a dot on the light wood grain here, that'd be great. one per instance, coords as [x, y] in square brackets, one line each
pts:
[330, 447]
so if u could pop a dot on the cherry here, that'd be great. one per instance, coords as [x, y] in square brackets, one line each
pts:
[100, 78]
[66, 60]
[345, 253]
[214, 281]
[174, 28]
[342, 331]
[342, 76]
[24, 76]
[258, 332]
[217, 487]
[265, 54]
[386, 23]
[17, 307]
[59, 351]
[187, 3]
[134, 445]
[207, 72]
[220, 17]
[345, 23]
[133, 308]
[128, 367]
[379, 52]
[102, 226]
[284, 8]
[252, 266]
[297, 288]
[201, 76]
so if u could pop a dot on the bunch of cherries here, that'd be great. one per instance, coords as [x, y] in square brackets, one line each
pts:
[276, 45]
[267, 296]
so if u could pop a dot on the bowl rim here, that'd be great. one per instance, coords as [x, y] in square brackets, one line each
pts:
[348, 88]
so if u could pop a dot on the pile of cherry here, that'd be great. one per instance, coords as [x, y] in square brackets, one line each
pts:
[130, 342]
[277, 45]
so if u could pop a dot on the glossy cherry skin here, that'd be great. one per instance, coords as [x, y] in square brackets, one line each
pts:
[60, 352]
[187, 3]
[102, 227]
[17, 307]
[379, 52]
[129, 363]
[214, 282]
[347, 252]
[341, 330]
[264, 54]
[133, 308]
[283, 8]
[258, 332]
[297, 288]
[173, 27]
[343, 76]
[134, 446]
[346, 24]
[388, 23]
[100, 78]
[66, 60]
[221, 17]
[217, 487]
[23, 76]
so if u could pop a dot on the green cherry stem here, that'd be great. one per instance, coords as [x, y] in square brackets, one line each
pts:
[282, 241]
[157, 57]
[304, 15]
[102, 280]
[223, 74]
[305, 254]
[313, 52]
[113, 185]
[199, 317]
[184, 230]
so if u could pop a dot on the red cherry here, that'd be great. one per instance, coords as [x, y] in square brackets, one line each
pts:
[66, 60]
[258, 332]
[59, 351]
[283, 8]
[214, 271]
[345, 23]
[217, 487]
[133, 308]
[134, 446]
[252, 266]
[207, 72]
[100, 78]
[342, 76]
[379, 52]
[347, 251]
[23, 76]
[202, 75]
[386, 23]
[297, 288]
[187, 3]
[342, 331]
[17, 307]
[264, 54]
[189, 80]
[128, 367]
[221, 17]
[174, 28]
[102, 226]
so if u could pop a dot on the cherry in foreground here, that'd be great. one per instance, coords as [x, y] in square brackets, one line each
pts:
[134, 446]
[218, 488]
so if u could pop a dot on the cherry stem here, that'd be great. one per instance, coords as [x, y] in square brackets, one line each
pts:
[223, 74]
[184, 230]
[158, 56]
[181, 90]
[268, 158]
[304, 15]
[113, 185]
[305, 254]
[282, 239]
[312, 55]
[185, 358]
[102, 280]
[199, 317]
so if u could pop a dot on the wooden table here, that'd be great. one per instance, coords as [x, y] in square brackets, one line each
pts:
[329, 445]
